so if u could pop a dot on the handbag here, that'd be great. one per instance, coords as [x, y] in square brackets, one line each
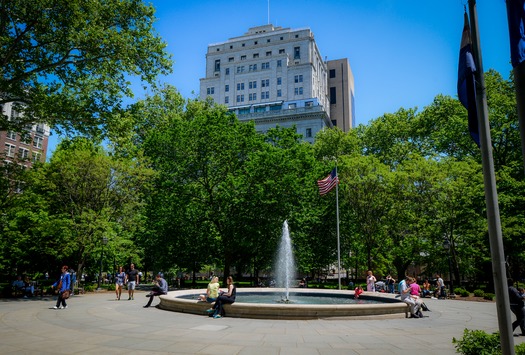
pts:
[65, 294]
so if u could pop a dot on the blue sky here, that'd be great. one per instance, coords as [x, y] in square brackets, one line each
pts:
[402, 52]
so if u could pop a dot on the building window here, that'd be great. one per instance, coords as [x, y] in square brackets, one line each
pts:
[298, 78]
[227, 71]
[255, 55]
[226, 99]
[23, 153]
[265, 65]
[25, 137]
[281, 38]
[10, 150]
[332, 73]
[240, 86]
[243, 57]
[296, 36]
[268, 40]
[255, 43]
[309, 104]
[269, 53]
[298, 91]
[230, 59]
[37, 142]
[36, 157]
[297, 53]
[226, 88]
[265, 83]
[11, 135]
[279, 63]
[292, 106]
[265, 95]
[244, 44]
[308, 133]
[252, 67]
[279, 93]
[333, 99]
[252, 85]
[217, 65]
[240, 69]
[281, 51]
[210, 90]
[252, 97]
[240, 98]
[279, 81]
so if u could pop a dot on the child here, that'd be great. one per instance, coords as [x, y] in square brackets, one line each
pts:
[358, 290]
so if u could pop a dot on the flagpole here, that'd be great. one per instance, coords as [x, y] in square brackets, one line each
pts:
[491, 196]
[338, 239]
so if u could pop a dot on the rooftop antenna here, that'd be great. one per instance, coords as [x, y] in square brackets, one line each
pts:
[268, 11]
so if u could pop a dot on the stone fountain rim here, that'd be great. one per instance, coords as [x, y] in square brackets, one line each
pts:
[173, 302]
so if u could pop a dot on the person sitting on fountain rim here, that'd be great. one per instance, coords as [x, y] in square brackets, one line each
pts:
[160, 288]
[224, 298]
[212, 291]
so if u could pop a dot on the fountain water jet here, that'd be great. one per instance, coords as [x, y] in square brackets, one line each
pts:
[285, 263]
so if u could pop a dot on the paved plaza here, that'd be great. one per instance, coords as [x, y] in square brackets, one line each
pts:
[98, 324]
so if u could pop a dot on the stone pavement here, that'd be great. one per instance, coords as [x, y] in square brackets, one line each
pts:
[98, 324]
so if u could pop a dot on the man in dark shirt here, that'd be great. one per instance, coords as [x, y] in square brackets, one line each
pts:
[132, 279]
[516, 306]
[160, 288]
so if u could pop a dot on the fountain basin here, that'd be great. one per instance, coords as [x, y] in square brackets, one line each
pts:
[173, 301]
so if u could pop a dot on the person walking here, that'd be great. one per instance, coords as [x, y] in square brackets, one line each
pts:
[63, 285]
[516, 306]
[120, 278]
[132, 280]
[160, 288]
[390, 281]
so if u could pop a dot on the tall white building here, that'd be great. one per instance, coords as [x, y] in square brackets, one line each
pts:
[276, 76]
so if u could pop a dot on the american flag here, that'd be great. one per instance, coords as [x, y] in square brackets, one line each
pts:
[328, 183]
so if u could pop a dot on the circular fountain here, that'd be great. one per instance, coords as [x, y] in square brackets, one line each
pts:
[285, 302]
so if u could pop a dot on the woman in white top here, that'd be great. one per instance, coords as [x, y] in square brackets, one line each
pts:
[370, 282]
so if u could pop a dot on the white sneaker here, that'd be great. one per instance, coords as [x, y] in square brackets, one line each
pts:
[65, 307]
[56, 307]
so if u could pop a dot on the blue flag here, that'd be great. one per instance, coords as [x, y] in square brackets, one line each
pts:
[516, 18]
[467, 83]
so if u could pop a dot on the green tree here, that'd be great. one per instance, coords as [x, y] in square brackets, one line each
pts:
[70, 203]
[68, 63]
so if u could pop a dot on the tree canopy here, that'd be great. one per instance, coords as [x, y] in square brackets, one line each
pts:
[68, 63]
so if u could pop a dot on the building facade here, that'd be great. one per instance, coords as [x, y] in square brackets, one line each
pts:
[27, 147]
[273, 76]
[341, 93]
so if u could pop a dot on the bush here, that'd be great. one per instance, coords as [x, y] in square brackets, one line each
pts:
[465, 293]
[89, 288]
[477, 342]
[111, 287]
[520, 349]
[479, 293]
[459, 290]
[489, 296]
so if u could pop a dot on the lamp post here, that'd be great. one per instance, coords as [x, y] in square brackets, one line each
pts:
[446, 245]
[104, 242]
